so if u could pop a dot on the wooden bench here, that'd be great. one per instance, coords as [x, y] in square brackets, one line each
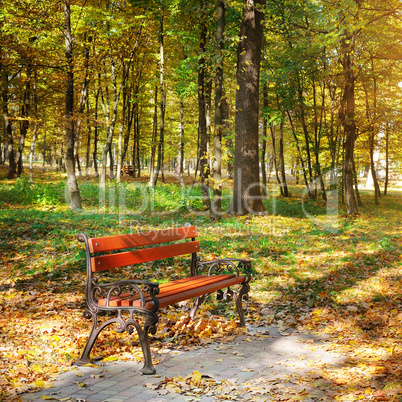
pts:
[134, 302]
[127, 169]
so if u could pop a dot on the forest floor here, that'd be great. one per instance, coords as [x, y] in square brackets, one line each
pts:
[326, 275]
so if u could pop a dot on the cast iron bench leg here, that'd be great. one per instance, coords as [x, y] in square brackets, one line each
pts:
[243, 293]
[85, 358]
[129, 325]
[143, 334]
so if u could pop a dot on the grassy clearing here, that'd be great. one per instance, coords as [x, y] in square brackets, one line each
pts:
[339, 276]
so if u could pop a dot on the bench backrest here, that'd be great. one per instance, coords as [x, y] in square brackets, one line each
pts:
[139, 251]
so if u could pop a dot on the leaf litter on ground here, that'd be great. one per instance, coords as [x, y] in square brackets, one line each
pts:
[346, 285]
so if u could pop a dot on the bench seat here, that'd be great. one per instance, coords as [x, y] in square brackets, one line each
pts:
[176, 291]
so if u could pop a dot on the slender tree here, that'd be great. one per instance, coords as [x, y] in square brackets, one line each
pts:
[202, 117]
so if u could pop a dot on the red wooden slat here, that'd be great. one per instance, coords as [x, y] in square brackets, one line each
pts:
[105, 262]
[163, 288]
[102, 244]
[199, 291]
[176, 291]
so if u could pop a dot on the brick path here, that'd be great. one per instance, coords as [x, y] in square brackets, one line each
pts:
[255, 366]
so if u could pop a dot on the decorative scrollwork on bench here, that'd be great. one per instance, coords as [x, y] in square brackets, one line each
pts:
[123, 294]
[225, 266]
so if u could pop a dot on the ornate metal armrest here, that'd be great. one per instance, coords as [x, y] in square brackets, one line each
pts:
[133, 288]
[235, 266]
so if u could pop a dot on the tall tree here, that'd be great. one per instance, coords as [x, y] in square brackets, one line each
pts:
[347, 115]
[70, 165]
[219, 112]
[247, 192]
[202, 117]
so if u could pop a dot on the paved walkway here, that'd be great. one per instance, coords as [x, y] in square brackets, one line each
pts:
[266, 364]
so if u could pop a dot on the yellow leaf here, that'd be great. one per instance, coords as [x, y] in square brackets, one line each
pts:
[173, 388]
[49, 398]
[43, 384]
[79, 374]
[37, 368]
[196, 377]
[219, 360]
[110, 359]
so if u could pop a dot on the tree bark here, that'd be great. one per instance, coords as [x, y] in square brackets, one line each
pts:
[111, 124]
[153, 141]
[71, 178]
[282, 161]
[219, 105]
[264, 139]
[247, 191]
[24, 125]
[35, 133]
[12, 168]
[180, 155]
[347, 118]
[317, 138]
[386, 158]
[162, 105]
[88, 153]
[202, 119]
[82, 104]
[96, 132]
[275, 158]
[299, 151]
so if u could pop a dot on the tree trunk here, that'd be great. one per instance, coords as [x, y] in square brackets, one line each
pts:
[386, 158]
[88, 153]
[275, 158]
[347, 118]
[35, 133]
[137, 141]
[180, 155]
[247, 191]
[162, 101]
[77, 156]
[264, 139]
[120, 150]
[111, 124]
[359, 200]
[306, 139]
[202, 119]
[71, 178]
[282, 161]
[12, 168]
[229, 140]
[82, 103]
[96, 133]
[44, 140]
[131, 102]
[317, 138]
[377, 192]
[153, 141]
[219, 105]
[299, 152]
[24, 125]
